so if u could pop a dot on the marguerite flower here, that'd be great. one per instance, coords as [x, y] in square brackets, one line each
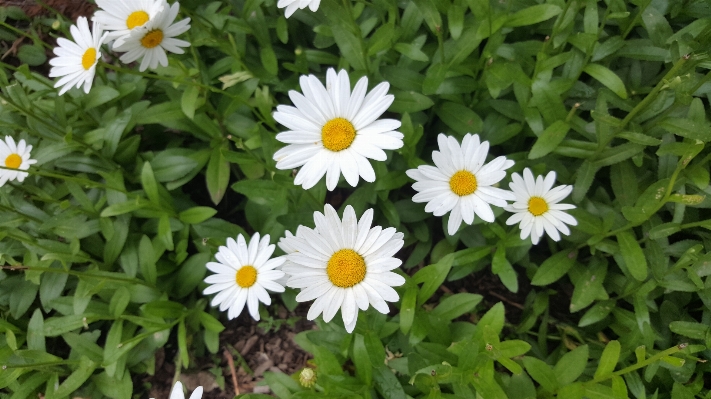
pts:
[121, 17]
[344, 265]
[76, 61]
[536, 207]
[14, 157]
[151, 40]
[333, 131]
[293, 5]
[461, 182]
[177, 392]
[244, 273]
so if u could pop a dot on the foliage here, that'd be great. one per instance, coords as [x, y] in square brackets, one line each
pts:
[105, 243]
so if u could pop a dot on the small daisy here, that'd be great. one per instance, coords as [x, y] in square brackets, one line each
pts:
[243, 273]
[293, 5]
[76, 61]
[536, 207]
[14, 157]
[461, 182]
[151, 40]
[334, 131]
[177, 392]
[121, 17]
[344, 265]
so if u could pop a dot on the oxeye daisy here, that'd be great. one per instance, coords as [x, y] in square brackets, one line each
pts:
[244, 273]
[76, 60]
[177, 392]
[15, 157]
[151, 40]
[334, 130]
[536, 207]
[344, 265]
[293, 5]
[461, 182]
[119, 18]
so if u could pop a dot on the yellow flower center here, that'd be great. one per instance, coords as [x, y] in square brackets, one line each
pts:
[463, 183]
[89, 58]
[13, 161]
[137, 18]
[346, 268]
[246, 276]
[152, 39]
[338, 134]
[537, 206]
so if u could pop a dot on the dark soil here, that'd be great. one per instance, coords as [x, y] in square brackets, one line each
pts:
[72, 9]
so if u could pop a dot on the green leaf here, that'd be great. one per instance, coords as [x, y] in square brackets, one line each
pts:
[596, 313]
[571, 365]
[361, 360]
[533, 15]
[432, 16]
[147, 261]
[549, 139]
[210, 323]
[77, 378]
[632, 254]
[33, 55]
[608, 78]
[188, 101]
[99, 95]
[150, 186]
[217, 175]
[460, 118]
[387, 384]
[35, 332]
[411, 51]
[687, 128]
[608, 360]
[410, 101]
[585, 175]
[124, 207]
[554, 268]
[456, 305]
[432, 277]
[541, 372]
[196, 214]
[407, 309]
[501, 267]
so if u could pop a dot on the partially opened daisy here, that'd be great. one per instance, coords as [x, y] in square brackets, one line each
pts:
[76, 60]
[244, 273]
[119, 18]
[293, 5]
[177, 392]
[537, 207]
[334, 130]
[15, 157]
[461, 182]
[150, 41]
[344, 265]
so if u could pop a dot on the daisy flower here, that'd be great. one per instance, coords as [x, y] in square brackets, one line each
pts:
[177, 392]
[344, 265]
[293, 5]
[14, 157]
[76, 60]
[151, 40]
[121, 17]
[536, 207]
[461, 182]
[244, 273]
[334, 130]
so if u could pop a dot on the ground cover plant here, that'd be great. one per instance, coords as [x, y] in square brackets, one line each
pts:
[378, 158]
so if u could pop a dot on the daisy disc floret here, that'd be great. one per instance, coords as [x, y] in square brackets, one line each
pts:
[461, 182]
[293, 5]
[334, 130]
[244, 273]
[537, 208]
[150, 41]
[119, 18]
[76, 60]
[344, 264]
[16, 158]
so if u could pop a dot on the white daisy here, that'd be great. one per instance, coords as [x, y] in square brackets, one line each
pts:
[536, 207]
[14, 157]
[293, 5]
[177, 392]
[76, 60]
[151, 40]
[120, 17]
[344, 265]
[333, 131]
[244, 273]
[461, 182]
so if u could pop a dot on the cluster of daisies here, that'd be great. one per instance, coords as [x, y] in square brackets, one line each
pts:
[345, 263]
[140, 29]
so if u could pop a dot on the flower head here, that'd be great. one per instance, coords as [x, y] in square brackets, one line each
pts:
[14, 157]
[536, 207]
[244, 273]
[76, 60]
[307, 377]
[293, 5]
[119, 18]
[177, 392]
[334, 130]
[344, 264]
[151, 40]
[461, 182]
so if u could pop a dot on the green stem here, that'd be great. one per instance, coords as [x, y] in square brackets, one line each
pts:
[32, 218]
[639, 365]
[78, 180]
[635, 20]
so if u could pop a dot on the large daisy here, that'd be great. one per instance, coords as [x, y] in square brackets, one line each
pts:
[537, 208]
[121, 17]
[293, 5]
[243, 274]
[151, 40]
[334, 130]
[461, 181]
[344, 265]
[16, 158]
[76, 60]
